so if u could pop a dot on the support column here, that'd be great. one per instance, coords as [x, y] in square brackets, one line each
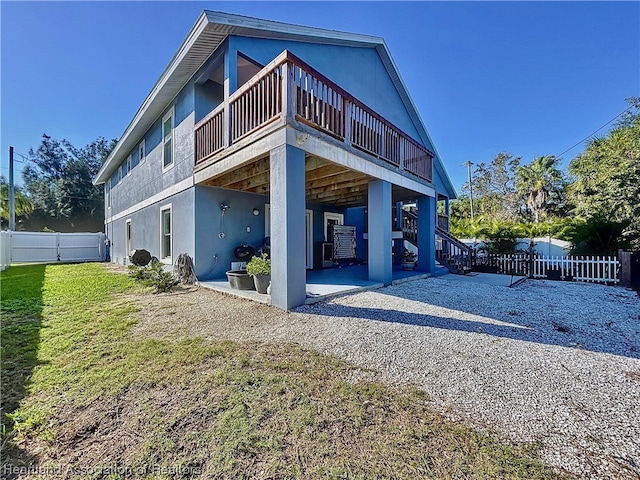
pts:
[446, 212]
[426, 234]
[379, 206]
[288, 249]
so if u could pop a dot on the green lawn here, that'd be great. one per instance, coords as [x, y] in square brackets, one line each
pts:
[80, 391]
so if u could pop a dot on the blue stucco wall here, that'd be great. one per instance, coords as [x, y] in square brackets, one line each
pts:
[207, 97]
[439, 184]
[147, 178]
[236, 219]
[356, 216]
[358, 70]
[145, 228]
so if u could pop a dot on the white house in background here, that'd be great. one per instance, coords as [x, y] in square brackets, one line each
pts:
[544, 246]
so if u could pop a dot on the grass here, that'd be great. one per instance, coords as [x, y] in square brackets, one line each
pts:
[82, 392]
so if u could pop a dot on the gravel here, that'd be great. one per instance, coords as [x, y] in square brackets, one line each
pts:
[549, 362]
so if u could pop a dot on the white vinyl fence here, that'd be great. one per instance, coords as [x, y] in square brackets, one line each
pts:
[41, 247]
[581, 269]
[5, 250]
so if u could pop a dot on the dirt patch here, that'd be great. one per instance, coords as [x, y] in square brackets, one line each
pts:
[193, 311]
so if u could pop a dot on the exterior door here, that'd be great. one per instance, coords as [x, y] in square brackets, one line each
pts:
[331, 219]
[308, 230]
[127, 240]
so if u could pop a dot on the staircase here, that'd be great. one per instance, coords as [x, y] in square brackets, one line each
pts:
[450, 251]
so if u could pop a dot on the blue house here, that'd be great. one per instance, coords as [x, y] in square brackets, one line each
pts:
[270, 134]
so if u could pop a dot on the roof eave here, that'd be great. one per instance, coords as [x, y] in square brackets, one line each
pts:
[107, 168]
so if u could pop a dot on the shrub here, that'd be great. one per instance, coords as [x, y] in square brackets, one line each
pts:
[259, 265]
[139, 273]
[154, 275]
[499, 237]
[409, 256]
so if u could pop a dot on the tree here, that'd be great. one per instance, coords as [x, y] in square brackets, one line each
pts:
[540, 182]
[606, 186]
[23, 205]
[494, 188]
[58, 180]
[499, 236]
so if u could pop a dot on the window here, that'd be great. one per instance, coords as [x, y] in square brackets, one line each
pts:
[165, 234]
[128, 163]
[167, 140]
[107, 191]
[141, 152]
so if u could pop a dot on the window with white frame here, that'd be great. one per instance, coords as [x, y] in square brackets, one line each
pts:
[167, 140]
[107, 190]
[141, 157]
[127, 238]
[128, 163]
[166, 229]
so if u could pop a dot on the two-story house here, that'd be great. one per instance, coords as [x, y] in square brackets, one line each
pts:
[259, 129]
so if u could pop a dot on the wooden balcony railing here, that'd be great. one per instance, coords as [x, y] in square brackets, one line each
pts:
[287, 90]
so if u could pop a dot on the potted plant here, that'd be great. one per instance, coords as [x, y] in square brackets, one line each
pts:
[260, 269]
[409, 260]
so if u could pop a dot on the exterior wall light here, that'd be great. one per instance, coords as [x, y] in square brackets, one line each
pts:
[256, 212]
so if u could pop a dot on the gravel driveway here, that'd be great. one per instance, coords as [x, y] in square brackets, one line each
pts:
[557, 363]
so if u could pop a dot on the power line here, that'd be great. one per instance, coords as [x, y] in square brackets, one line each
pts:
[25, 159]
[596, 131]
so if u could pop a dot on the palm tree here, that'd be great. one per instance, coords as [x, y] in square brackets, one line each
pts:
[23, 204]
[538, 181]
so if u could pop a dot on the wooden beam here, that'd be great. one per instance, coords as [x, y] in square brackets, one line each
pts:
[355, 182]
[313, 163]
[351, 201]
[325, 171]
[340, 192]
[239, 174]
[251, 182]
[335, 179]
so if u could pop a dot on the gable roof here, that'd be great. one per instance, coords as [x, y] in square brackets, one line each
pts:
[207, 34]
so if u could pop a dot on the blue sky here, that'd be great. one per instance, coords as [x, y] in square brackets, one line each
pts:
[530, 78]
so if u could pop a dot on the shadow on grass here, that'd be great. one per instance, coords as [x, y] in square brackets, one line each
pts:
[21, 291]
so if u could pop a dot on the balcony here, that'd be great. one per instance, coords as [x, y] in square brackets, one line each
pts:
[287, 91]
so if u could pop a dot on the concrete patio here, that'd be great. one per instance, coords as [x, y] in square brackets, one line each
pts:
[328, 282]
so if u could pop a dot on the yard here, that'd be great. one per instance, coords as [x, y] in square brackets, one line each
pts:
[428, 379]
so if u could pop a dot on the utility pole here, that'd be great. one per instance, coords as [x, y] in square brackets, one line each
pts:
[468, 163]
[12, 194]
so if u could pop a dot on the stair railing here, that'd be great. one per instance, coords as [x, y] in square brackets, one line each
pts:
[450, 251]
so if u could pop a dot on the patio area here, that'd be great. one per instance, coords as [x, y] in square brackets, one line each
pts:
[327, 282]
